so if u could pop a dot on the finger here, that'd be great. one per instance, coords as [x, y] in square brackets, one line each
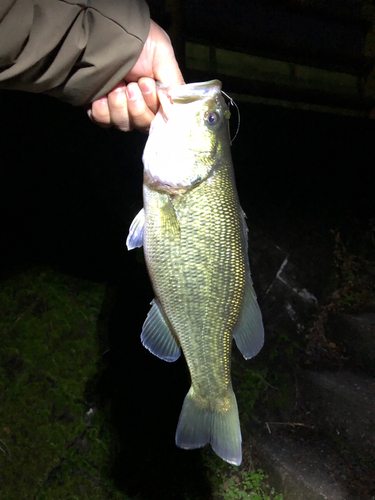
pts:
[118, 108]
[140, 114]
[100, 113]
[166, 69]
[165, 66]
[150, 96]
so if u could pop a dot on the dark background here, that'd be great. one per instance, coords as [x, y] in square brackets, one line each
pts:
[70, 190]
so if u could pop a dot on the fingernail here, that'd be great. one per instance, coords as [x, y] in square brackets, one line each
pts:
[133, 92]
[102, 100]
[145, 89]
[119, 88]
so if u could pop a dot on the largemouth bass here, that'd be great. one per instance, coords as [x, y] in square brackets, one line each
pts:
[194, 236]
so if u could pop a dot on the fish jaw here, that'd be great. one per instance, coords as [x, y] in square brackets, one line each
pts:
[182, 145]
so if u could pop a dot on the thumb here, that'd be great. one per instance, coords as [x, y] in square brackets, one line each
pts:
[165, 67]
[168, 71]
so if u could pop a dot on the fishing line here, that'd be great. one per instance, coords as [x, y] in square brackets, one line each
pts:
[232, 103]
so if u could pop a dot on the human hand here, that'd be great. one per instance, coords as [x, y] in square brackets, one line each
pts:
[133, 103]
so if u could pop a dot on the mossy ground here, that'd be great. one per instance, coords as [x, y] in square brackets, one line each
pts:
[52, 445]
[57, 440]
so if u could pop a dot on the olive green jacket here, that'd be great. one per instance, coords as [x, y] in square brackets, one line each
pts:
[75, 50]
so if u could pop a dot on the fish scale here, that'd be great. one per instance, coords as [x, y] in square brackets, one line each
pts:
[194, 236]
[194, 254]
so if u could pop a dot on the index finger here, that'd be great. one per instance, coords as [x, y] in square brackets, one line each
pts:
[150, 96]
[167, 71]
[165, 67]
[140, 114]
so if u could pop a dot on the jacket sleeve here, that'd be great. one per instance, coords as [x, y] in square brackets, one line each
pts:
[75, 50]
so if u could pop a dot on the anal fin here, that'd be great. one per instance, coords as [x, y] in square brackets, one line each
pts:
[157, 335]
[249, 331]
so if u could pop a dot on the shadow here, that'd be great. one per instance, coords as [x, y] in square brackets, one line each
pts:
[68, 193]
[145, 396]
[68, 189]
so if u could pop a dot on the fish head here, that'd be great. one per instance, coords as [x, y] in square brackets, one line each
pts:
[188, 136]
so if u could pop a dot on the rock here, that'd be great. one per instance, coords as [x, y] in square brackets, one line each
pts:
[343, 406]
[299, 469]
[356, 332]
[286, 303]
[266, 258]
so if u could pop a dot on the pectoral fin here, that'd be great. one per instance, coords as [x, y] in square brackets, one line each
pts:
[157, 336]
[135, 236]
[168, 215]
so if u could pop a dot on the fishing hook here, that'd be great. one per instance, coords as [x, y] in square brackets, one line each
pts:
[232, 103]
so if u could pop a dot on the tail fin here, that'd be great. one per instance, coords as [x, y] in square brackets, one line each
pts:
[198, 426]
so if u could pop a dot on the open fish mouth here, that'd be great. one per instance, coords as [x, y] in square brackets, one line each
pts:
[191, 91]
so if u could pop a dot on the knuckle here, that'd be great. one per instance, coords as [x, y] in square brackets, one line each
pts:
[117, 100]
[123, 125]
[100, 114]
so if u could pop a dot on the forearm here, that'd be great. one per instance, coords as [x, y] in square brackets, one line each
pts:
[76, 51]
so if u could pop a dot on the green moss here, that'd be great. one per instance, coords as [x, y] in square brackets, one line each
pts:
[251, 386]
[230, 482]
[49, 445]
[54, 445]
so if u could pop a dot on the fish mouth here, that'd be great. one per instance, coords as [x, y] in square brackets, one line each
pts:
[191, 91]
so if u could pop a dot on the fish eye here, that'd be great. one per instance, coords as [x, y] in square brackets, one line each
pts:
[211, 118]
